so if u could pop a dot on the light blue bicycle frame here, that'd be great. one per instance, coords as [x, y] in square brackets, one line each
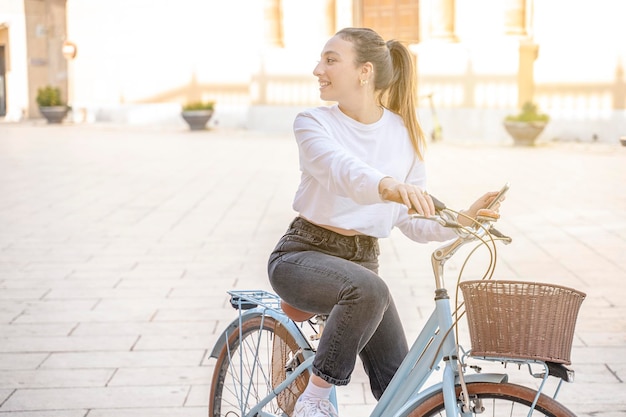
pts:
[430, 348]
[435, 343]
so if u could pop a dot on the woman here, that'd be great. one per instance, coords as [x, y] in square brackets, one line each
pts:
[362, 175]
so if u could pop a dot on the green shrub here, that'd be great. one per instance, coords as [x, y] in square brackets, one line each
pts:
[49, 96]
[529, 113]
[199, 105]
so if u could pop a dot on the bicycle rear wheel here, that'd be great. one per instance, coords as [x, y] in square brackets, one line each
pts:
[498, 400]
[255, 359]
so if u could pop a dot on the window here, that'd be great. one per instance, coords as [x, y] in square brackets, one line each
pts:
[392, 19]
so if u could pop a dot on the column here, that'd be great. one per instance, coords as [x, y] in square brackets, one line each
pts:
[442, 20]
[528, 52]
[515, 17]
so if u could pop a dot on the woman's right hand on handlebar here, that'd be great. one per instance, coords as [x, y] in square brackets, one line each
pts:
[413, 197]
[419, 202]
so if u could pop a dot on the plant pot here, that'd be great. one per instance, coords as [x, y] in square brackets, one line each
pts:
[197, 119]
[524, 133]
[54, 114]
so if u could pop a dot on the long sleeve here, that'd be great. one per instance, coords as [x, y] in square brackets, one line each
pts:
[342, 162]
[332, 165]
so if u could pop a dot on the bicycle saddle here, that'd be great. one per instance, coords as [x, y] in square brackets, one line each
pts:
[294, 313]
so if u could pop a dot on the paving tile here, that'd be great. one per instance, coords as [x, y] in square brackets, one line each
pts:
[45, 378]
[598, 373]
[10, 313]
[46, 413]
[602, 338]
[192, 314]
[599, 354]
[153, 412]
[22, 360]
[355, 393]
[108, 282]
[87, 360]
[88, 398]
[36, 329]
[151, 282]
[134, 313]
[78, 293]
[594, 398]
[19, 275]
[160, 342]
[355, 409]
[586, 410]
[198, 395]
[152, 328]
[4, 394]
[22, 293]
[131, 293]
[65, 344]
[156, 329]
[189, 375]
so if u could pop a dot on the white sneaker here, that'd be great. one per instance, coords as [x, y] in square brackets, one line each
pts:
[314, 407]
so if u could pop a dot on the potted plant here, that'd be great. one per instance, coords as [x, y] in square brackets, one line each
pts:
[51, 105]
[198, 114]
[526, 126]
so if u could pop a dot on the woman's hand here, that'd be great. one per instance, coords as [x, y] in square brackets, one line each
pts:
[417, 200]
[481, 203]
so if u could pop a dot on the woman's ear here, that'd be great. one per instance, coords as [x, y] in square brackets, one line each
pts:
[367, 71]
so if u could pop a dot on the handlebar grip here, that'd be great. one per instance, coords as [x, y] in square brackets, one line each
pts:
[499, 234]
[438, 204]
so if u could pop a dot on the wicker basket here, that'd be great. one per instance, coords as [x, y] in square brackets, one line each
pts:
[521, 320]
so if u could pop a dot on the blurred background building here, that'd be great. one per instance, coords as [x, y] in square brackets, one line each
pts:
[138, 61]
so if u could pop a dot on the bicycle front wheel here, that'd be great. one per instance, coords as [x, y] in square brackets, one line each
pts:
[496, 400]
[256, 358]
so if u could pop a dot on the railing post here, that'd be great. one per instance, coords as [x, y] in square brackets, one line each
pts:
[258, 87]
[619, 89]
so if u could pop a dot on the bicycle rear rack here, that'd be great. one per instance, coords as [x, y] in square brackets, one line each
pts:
[249, 299]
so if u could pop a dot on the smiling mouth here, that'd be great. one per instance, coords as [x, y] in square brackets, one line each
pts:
[324, 84]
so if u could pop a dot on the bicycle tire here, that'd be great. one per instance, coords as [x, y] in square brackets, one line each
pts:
[242, 378]
[498, 399]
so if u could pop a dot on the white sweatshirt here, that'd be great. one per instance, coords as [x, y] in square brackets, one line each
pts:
[342, 161]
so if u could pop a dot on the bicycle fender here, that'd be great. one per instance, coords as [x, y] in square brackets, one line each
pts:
[255, 312]
[413, 401]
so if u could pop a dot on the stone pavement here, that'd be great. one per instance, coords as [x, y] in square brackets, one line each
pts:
[117, 246]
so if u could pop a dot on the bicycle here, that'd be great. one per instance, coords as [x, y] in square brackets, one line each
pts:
[436, 134]
[264, 357]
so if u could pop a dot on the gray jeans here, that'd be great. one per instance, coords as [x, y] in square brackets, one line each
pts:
[320, 271]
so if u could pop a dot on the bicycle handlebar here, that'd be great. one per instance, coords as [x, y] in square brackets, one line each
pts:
[482, 224]
[480, 228]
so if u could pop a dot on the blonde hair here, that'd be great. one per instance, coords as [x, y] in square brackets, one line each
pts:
[394, 77]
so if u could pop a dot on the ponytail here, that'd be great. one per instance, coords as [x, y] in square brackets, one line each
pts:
[394, 77]
[401, 95]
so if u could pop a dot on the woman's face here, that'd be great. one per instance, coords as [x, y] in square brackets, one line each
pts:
[337, 73]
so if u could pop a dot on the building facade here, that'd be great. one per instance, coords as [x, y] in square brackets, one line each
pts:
[138, 61]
